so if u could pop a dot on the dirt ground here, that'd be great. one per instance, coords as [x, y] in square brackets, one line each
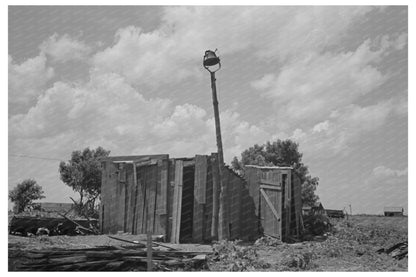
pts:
[351, 246]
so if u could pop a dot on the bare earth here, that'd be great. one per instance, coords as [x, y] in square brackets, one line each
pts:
[351, 247]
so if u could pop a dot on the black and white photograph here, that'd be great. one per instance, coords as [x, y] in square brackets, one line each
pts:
[225, 138]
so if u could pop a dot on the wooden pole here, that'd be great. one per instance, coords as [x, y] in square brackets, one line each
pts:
[222, 218]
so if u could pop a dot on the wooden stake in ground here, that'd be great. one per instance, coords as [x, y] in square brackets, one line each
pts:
[149, 251]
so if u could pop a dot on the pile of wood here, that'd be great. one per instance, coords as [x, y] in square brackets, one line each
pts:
[108, 258]
[397, 251]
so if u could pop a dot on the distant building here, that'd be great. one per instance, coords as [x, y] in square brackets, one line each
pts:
[316, 209]
[335, 213]
[393, 211]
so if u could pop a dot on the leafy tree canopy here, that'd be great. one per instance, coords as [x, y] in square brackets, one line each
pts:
[83, 173]
[280, 153]
[25, 193]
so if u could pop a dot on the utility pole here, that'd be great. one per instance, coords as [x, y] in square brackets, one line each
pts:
[221, 232]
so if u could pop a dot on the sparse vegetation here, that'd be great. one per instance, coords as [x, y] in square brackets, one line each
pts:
[351, 245]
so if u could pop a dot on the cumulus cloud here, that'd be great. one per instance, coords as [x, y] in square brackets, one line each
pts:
[27, 81]
[168, 54]
[308, 90]
[65, 48]
[108, 111]
[345, 127]
[385, 172]
[321, 127]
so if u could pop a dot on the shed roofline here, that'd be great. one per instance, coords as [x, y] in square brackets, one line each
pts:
[270, 167]
[134, 157]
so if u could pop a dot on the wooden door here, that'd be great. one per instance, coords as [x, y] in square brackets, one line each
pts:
[270, 208]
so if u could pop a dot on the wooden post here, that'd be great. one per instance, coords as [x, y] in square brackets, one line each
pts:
[149, 251]
[222, 217]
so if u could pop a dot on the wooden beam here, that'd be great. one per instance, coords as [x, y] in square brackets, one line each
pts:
[270, 182]
[270, 204]
[271, 187]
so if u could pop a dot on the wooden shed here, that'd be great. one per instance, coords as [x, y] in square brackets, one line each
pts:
[393, 211]
[174, 198]
[276, 192]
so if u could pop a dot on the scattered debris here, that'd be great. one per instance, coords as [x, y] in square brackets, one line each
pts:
[397, 251]
[26, 225]
[109, 258]
[42, 231]
[268, 241]
[142, 245]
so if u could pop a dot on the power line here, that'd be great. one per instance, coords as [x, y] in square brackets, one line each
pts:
[35, 157]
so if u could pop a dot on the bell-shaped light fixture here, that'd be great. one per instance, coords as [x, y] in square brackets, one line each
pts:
[210, 58]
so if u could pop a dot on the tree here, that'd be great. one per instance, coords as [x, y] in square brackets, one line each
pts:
[83, 174]
[25, 193]
[280, 153]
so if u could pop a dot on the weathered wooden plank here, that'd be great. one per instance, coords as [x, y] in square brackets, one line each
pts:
[139, 203]
[129, 198]
[152, 198]
[161, 217]
[134, 193]
[104, 186]
[121, 200]
[171, 186]
[271, 187]
[215, 195]
[208, 205]
[298, 201]
[164, 176]
[144, 163]
[286, 182]
[201, 166]
[134, 158]
[143, 210]
[223, 217]
[177, 202]
[269, 182]
[199, 198]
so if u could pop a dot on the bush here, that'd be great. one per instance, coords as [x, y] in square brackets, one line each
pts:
[317, 224]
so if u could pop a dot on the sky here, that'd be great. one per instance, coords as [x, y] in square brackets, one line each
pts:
[130, 79]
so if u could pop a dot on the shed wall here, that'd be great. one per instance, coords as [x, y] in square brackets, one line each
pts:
[135, 199]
